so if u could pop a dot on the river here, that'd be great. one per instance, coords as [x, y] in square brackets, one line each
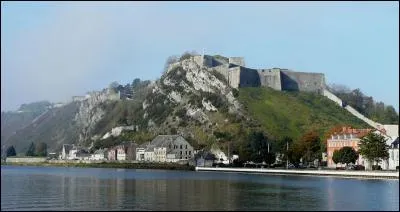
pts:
[59, 188]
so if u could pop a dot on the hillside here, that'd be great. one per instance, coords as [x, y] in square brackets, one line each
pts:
[54, 128]
[189, 99]
[293, 113]
[11, 122]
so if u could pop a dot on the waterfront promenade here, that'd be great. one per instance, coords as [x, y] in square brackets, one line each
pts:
[338, 173]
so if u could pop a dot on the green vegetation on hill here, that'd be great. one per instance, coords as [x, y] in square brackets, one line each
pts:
[366, 105]
[294, 113]
[55, 128]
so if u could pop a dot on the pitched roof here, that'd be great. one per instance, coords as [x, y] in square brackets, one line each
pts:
[163, 140]
[356, 132]
[100, 151]
[67, 147]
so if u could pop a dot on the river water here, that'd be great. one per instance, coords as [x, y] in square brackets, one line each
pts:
[59, 188]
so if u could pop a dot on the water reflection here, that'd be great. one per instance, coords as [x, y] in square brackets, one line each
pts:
[112, 189]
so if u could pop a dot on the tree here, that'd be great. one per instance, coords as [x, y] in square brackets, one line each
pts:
[10, 151]
[41, 149]
[336, 157]
[113, 87]
[31, 150]
[269, 158]
[135, 82]
[282, 145]
[391, 116]
[347, 155]
[258, 146]
[310, 146]
[373, 147]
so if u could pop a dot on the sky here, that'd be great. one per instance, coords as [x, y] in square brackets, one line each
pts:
[55, 50]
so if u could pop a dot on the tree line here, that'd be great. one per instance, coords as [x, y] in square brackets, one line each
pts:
[39, 150]
[366, 105]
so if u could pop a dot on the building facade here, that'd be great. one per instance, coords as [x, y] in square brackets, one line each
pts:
[347, 137]
[394, 155]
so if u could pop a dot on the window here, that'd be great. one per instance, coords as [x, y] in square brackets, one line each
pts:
[181, 154]
[186, 146]
[190, 152]
[185, 152]
[181, 146]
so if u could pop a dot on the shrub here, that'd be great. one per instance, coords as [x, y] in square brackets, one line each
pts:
[235, 92]
[376, 167]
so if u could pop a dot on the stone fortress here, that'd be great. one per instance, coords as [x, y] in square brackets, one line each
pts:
[237, 75]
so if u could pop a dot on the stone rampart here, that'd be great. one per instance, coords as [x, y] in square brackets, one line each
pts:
[239, 61]
[301, 81]
[270, 78]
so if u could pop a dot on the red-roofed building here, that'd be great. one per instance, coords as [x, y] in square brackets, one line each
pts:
[347, 137]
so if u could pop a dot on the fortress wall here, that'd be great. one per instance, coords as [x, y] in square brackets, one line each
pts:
[249, 77]
[205, 60]
[208, 61]
[237, 61]
[224, 70]
[234, 76]
[270, 78]
[333, 97]
[309, 82]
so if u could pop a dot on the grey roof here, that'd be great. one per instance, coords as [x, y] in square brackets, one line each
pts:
[149, 148]
[163, 140]
[395, 143]
[67, 147]
[100, 151]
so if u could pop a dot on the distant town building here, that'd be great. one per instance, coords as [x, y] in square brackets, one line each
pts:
[394, 154]
[65, 151]
[100, 154]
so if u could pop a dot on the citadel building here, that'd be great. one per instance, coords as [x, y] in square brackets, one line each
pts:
[237, 75]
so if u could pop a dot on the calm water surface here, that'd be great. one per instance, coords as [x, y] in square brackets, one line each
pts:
[58, 188]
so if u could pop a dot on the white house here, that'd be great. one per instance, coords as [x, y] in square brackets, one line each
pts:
[100, 154]
[385, 164]
[140, 151]
[149, 153]
[394, 154]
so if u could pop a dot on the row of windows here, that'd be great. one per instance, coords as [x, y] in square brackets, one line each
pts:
[345, 136]
[180, 146]
[342, 143]
[186, 152]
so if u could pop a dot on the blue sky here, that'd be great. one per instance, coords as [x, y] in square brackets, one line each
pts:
[54, 50]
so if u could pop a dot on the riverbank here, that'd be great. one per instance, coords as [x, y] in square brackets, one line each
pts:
[167, 166]
[345, 174]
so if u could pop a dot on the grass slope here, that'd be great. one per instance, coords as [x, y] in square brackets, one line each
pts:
[294, 113]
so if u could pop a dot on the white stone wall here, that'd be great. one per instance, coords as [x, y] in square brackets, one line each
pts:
[234, 77]
[393, 158]
[362, 117]
[332, 97]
